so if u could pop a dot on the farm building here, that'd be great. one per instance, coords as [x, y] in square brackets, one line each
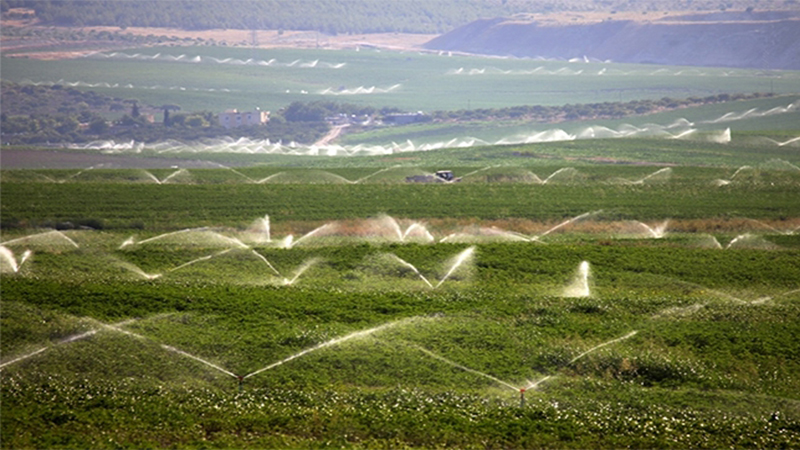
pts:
[234, 118]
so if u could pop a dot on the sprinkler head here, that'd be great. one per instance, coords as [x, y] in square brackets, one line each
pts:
[522, 390]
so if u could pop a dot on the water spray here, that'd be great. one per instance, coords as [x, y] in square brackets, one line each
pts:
[597, 347]
[130, 241]
[463, 367]
[305, 266]
[161, 236]
[332, 342]
[459, 260]
[266, 224]
[46, 234]
[67, 340]
[375, 173]
[411, 266]
[202, 258]
[567, 222]
[289, 242]
[7, 255]
[558, 172]
[580, 284]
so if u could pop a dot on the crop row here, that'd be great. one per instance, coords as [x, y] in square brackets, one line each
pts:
[283, 418]
[160, 207]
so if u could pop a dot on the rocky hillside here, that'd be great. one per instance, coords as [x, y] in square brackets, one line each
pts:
[768, 40]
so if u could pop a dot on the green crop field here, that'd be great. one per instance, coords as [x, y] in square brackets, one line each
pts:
[631, 193]
[216, 79]
[589, 293]
[224, 78]
[741, 117]
[663, 343]
[611, 306]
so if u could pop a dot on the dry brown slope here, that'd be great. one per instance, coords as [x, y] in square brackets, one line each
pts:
[756, 43]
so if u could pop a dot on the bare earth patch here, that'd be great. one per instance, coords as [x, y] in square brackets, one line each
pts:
[32, 48]
[285, 39]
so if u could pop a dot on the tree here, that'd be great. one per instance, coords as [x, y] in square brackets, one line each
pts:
[68, 125]
[196, 121]
[301, 112]
[134, 107]
[167, 108]
[98, 126]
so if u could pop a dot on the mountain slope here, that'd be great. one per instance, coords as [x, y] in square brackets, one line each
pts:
[691, 40]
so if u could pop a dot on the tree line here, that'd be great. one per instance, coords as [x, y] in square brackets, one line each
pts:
[330, 16]
[78, 35]
[57, 114]
[586, 111]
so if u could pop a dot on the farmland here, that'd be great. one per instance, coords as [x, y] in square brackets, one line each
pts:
[362, 330]
[175, 206]
[206, 80]
[222, 78]
[507, 319]
[629, 292]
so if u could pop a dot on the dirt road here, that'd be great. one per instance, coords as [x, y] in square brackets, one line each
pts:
[333, 134]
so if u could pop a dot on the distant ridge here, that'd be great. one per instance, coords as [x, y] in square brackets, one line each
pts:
[742, 40]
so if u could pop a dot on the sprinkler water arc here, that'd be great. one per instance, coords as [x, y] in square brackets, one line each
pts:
[332, 342]
[44, 234]
[535, 384]
[413, 268]
[66, 340]
[567, 222]
[459, 260]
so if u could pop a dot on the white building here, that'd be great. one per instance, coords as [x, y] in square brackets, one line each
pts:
[234, 118]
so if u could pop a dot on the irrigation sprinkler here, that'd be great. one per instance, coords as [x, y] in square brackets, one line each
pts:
[241, 382]
[521, 397]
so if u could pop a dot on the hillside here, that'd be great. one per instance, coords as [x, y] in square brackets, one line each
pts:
[745, 40]
[329, 16]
